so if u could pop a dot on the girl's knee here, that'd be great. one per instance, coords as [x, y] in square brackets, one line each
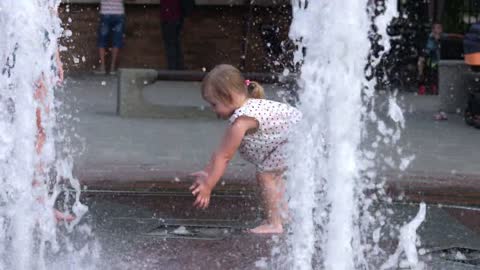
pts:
[269, 179]
[264, 176]
[272, 175]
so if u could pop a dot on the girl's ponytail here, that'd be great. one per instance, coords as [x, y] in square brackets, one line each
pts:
[255, 90]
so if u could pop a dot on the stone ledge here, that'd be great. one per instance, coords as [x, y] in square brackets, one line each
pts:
[455, 80]
[407, 187]
[131, 102]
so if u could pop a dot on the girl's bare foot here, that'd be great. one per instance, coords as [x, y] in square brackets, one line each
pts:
[267, 228]
[59, 216]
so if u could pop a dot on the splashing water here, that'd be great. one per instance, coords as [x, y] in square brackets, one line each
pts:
[35, 173]
[407, 244]
[329, 171]
[332, 77]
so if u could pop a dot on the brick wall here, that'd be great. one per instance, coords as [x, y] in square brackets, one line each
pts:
[212, 35]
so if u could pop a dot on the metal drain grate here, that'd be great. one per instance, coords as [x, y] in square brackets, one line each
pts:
[201, 229]
[459, 254]
[199, 232]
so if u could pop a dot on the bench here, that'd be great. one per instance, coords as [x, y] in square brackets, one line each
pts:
[131, 102]
[455, 80]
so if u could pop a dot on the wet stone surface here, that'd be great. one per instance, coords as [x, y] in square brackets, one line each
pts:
[165, 232]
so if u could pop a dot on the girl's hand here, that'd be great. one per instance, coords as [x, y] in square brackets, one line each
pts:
[201, 190]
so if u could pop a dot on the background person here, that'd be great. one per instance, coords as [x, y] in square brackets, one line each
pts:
[112, 26]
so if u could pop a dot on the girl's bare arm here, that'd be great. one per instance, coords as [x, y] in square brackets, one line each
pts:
[229, 145]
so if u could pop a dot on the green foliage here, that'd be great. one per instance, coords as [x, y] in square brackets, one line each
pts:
[454, 13]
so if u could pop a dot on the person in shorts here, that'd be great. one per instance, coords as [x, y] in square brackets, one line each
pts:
[110, 33]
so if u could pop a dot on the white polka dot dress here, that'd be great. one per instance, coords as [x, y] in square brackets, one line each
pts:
[265, 147]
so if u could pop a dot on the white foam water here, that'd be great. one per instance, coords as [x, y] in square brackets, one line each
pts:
[324, 168]
[329, 172]
[35, 178]
[407, 245]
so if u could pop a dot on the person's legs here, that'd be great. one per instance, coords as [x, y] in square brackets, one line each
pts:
[430, 79]
[272, 189]
[101, 54]
[420, 67]
[169, 41]
[118, 26]
[178, 46]
[421, 75]
[113, 65]
[102, 42]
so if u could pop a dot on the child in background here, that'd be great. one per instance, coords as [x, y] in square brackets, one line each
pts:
[258, 129]
[112, 24]
[428, 61]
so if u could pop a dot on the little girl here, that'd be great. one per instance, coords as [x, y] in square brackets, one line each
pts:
[258, 129]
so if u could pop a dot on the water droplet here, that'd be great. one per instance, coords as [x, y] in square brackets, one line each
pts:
[68, 33]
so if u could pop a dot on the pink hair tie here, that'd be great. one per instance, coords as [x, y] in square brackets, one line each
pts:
[247, 82]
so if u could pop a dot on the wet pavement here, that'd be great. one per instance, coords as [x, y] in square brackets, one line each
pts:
[153, 231]
[134, 171]
[106, 141]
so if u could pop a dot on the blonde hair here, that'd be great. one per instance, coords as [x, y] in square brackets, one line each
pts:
[224, 79]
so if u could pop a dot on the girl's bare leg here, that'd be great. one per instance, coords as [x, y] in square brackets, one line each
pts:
[40, 140]
[40, 95]
[272, 189]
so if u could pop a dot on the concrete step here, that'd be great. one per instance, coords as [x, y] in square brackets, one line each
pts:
[134, 99]
[165, 230]
[152, 179]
